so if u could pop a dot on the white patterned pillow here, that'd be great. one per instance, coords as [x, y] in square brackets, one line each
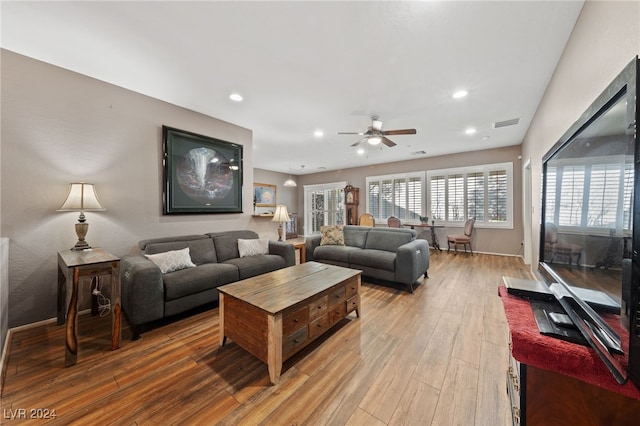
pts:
[253, 247]
[173, 260]
[331, 235]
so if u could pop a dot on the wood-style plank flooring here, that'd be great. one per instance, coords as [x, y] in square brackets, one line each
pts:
[437, 357]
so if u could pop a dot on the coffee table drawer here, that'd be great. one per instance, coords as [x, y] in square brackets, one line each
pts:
[353, 303]
[318, 307]
[295, 320]
[337, 312]
[319, 326]
[293, 341]
[336, 296]
[352, 287]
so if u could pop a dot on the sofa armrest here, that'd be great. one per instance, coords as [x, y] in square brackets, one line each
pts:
[142, 289]
[310, 244]
[412, 260]
[285, 250]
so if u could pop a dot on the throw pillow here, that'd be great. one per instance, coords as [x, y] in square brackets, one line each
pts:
[253, 247]
[332, 235]
[173, 260]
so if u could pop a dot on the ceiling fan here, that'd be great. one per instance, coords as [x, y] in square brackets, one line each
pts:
[374, 134]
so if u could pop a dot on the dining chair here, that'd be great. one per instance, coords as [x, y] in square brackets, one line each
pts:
[464, 239]
[367, 219]
[394, 222]
[554, 248]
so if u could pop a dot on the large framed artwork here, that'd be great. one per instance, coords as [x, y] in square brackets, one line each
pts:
[264, 195]
[201, 174]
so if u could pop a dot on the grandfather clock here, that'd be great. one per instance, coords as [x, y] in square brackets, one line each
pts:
[351, 204]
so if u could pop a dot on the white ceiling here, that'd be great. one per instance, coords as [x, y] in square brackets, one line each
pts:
[303, 66]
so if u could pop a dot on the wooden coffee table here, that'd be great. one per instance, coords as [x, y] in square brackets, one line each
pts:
[275, 315]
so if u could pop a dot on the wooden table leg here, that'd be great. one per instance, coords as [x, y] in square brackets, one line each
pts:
[116, 310]
[222, 337]
[62, 296]
[71, 352]
[274, 347]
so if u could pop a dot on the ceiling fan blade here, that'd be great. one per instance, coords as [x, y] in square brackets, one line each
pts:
[400, 132]
[351, 133]
[388, 142]
[359, 142]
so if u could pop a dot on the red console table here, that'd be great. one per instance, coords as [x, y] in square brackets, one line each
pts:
[553, 382]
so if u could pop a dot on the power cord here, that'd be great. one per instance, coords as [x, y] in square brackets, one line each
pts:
[104, 304]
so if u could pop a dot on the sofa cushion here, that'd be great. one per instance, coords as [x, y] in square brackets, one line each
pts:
[226, 243]
[200, 249]
[356, 236]
[331, 235]
[194, 280]
[172, 260]
[334, 253]
[251, 266]
[253, 247]
[389, 239]
[378, 259]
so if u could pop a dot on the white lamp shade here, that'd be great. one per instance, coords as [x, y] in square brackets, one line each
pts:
[81, 197]
[281, 214]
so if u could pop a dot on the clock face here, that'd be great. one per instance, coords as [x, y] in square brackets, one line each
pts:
[349, 197]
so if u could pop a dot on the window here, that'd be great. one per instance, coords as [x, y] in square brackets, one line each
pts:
[323, 205]
[396, 195]
[592, 195]
[481, 192]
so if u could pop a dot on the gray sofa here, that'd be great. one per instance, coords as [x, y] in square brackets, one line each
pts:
[389, 254]
[149, 295]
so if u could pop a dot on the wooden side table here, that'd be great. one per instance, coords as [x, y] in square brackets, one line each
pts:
[298, 244]
[73, 264]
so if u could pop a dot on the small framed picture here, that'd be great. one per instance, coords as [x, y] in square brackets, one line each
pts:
[264, 195]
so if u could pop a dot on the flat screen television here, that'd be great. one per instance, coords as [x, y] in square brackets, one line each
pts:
[590, 215]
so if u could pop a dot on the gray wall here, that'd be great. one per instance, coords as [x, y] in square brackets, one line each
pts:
[503, 241]
[59, 127]
[605, 38]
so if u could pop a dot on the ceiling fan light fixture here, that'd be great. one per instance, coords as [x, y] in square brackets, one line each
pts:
[374, 140]
[290, 182]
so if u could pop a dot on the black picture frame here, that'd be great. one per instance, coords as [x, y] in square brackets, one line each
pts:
[201, 174]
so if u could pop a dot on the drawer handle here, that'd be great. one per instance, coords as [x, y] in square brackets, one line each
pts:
[296, 320]
[296, 341]
[319, 325]
[319, 307]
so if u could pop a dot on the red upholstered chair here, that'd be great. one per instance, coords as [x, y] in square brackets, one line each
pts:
[464, 239]
[394, 222]
[553, 247]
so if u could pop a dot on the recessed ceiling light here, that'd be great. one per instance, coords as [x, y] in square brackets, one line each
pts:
[470, 131]
[318, 133]
[237, 97]
[460, 94]
[485, 138]
[360, 151]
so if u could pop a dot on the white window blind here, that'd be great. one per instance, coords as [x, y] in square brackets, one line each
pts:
[595, 194]
[395, 195]
[482, 192]
[323, 205]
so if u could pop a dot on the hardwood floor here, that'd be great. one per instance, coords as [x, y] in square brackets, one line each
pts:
[437, 357]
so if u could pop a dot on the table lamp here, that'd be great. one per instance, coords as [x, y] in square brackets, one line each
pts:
[80, 198]
[281, 216]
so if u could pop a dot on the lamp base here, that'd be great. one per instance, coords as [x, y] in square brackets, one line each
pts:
[280, 232]
[81, 231]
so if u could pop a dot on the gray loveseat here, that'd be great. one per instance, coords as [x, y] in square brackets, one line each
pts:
[149, 295]
[389, 254]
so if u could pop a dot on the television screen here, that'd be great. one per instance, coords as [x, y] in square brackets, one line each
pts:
[588, 202]
[590, 223]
